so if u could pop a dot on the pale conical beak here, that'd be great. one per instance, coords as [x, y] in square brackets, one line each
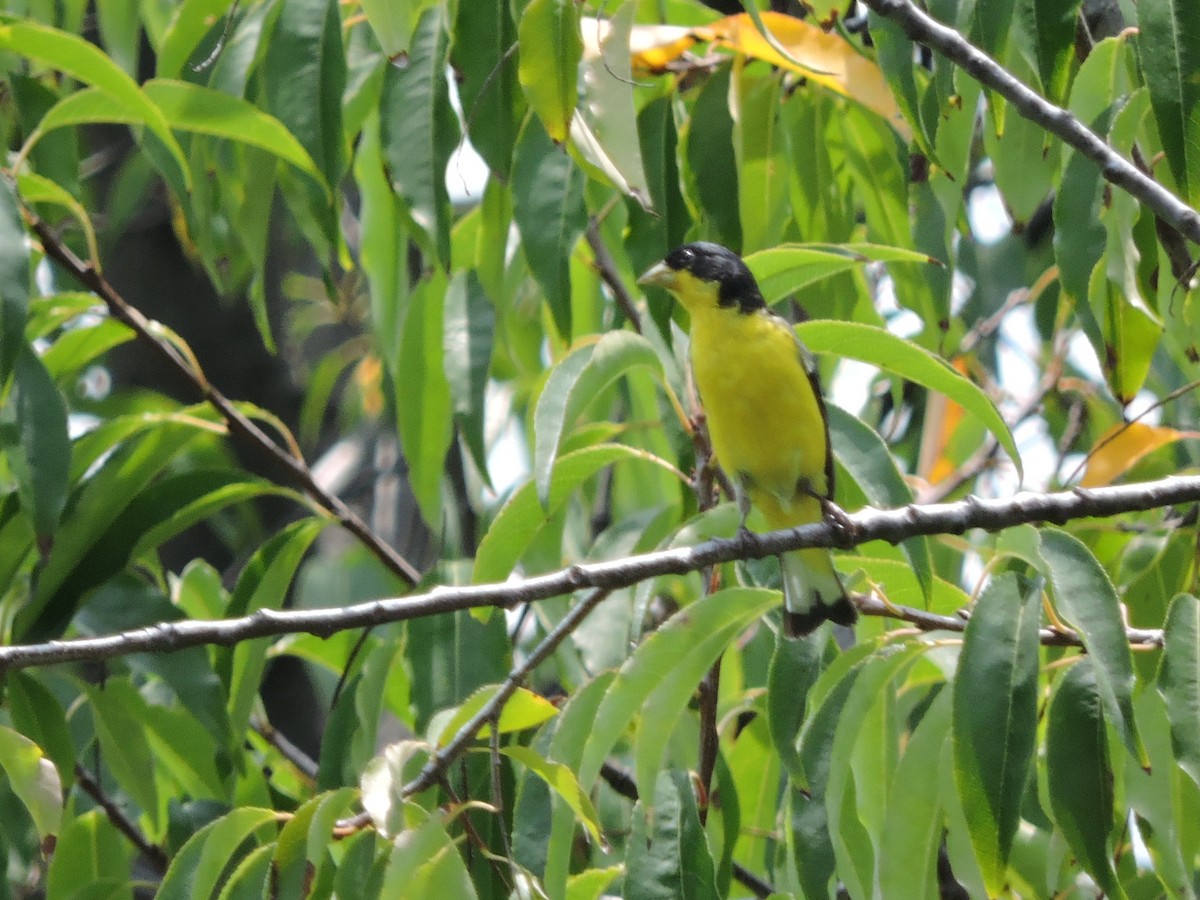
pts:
[660, 274]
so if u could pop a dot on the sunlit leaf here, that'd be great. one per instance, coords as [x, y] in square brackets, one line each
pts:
[551, 47]
[1123, 446]
[34, 779]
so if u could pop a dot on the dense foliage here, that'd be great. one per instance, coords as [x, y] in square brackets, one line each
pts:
[276, 202]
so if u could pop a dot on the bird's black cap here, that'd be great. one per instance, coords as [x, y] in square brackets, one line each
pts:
[712, 262]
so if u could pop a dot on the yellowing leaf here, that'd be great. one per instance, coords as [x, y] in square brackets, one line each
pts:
[1122, 446]
[824, 58]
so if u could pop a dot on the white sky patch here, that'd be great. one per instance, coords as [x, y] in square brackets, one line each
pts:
[466, 172]
[1082, 355]
[987, 216]
[1144, 403]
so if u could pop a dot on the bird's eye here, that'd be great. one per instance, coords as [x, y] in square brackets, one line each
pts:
[686, 256]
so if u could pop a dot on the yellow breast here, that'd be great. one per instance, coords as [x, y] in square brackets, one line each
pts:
[763, 415]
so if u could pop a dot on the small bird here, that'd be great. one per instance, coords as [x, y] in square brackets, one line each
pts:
[758, 385]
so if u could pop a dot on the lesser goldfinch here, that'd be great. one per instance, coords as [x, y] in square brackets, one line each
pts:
[759, 389]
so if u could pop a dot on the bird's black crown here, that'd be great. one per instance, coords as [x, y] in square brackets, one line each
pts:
[712, 262]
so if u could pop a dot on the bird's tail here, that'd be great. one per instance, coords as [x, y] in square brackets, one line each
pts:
[812, 592]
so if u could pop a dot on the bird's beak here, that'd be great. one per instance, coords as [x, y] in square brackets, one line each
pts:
[660, 274]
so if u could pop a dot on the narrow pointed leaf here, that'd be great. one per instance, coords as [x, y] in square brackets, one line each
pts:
[550, 49]
[1079, 772]
[892, 354]
[995, 719]
[668, 857]
[1179, 681]
[1085, 597]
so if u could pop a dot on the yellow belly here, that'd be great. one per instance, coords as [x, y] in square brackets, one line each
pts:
[763, 415]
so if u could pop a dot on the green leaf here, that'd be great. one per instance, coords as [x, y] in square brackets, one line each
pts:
[590, 883]
[667, 856]
[251, 878]
[39, 715]
[201, 110]
[118, 709]
[424, 862]
[894, 52]
[393, 22]
[304, 73]
[789, 268]
[754, 100]
[1049, 25]
[522, 517]
[1079, 773]
[551, 47]
[302, 851]
[14, 280]
[866, 456]
[263, 584]
[40, 457]
[492, 102]
[90, 851]
[562, 779]
[658, 680]
[423, 396]
[95, 505]
[892, 354]
[1170, 57]
[34, 779]
[1179, 681]
[197, 867]
[420, 131]
[574, 384]
[913, 824]
[190, 23]
[991, 25]
[87, 63]
[550, 214]
[572, 730]
[711, 166]
[469, 330]
[522, 711]
[1085, 598]
[995, 719]
[795, 665]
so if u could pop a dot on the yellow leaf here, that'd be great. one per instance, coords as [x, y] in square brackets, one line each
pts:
[823, 58]
[1122, 446]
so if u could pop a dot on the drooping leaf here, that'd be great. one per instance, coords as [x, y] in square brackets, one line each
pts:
[1169, 57]
[34, 779]
[40, 457]
[1179, 681]
[304, 74]
[14, 280]
[468, 336]
[1085, 598]
[550, 214]
[550, 49]
[419, 132]
[493, 105]
[668, 857]
[197, 867]
[1079, 773]
[995, 719]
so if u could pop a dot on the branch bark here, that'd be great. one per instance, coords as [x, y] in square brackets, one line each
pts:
[1119, 171]
[860, 527]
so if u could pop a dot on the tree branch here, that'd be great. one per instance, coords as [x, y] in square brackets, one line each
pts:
[860, 527]
[238, 423]
[1119, 171]
[152, 853]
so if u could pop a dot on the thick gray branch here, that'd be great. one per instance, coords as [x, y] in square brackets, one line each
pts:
[865, 525]
[1058, 121]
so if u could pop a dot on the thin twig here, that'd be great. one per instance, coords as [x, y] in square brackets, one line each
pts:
[437, 764]
[1116, 169]
[303, 763]
[152, 853]
[869, 524]
[238, 423]
[607, 270]
[1048, 637]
